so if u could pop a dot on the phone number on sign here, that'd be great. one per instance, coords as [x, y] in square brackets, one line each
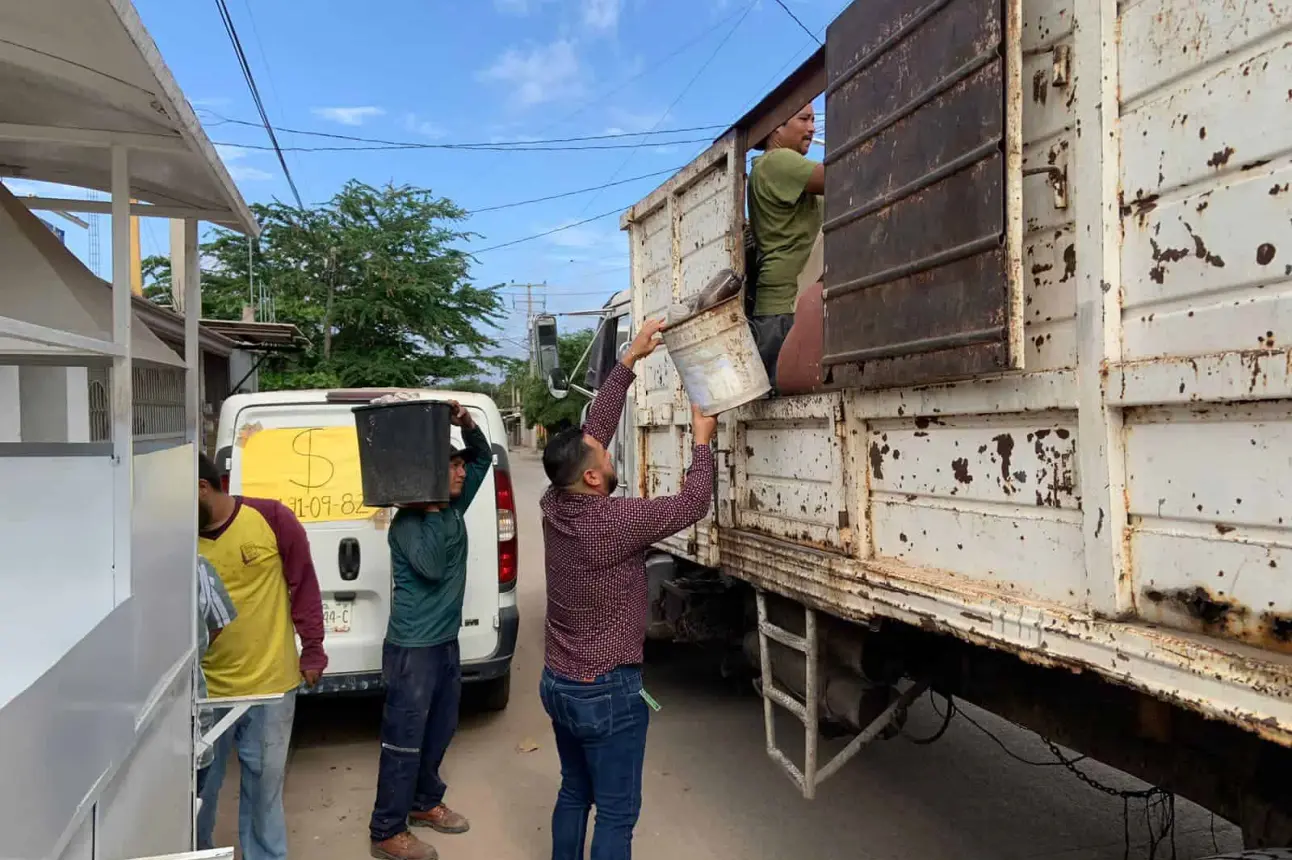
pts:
[326, 506]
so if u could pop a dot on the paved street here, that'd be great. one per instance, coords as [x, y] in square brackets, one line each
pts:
[710, 790]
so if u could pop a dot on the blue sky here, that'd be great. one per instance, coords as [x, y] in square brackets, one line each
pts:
[485, 70]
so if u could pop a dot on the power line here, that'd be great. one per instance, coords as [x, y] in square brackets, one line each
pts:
[264, 60]
[749, 8]
[232, 31]
[391, 147]
[789, 12]
[614, 211]
[222, 120]
[571, 193]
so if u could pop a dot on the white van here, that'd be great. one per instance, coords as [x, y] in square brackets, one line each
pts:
[300, 448]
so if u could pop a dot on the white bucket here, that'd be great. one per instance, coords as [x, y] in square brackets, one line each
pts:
[717, 358]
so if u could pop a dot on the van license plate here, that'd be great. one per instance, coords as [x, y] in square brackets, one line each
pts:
[336, 616]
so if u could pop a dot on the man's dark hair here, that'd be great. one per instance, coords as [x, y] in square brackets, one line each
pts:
[564, 457]
[208, 471]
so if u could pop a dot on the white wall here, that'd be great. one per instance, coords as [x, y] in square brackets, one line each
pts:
[97, 705]
[55, 404]
[57, 535]
[10, 416]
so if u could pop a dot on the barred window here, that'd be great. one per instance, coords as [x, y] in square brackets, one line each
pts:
[158, 403]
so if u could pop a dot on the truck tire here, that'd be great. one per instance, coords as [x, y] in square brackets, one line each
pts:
[1256, 854]
[495, 694]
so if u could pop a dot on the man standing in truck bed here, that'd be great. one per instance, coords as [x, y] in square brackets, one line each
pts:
[420, 663]
[785, 211]
[596, 614]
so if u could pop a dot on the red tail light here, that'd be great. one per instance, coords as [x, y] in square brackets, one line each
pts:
[508, 546]
[224, 483]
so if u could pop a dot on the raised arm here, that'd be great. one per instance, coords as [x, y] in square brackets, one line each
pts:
[608, 405]
[481, 458]
[419, 544]
[644, 522]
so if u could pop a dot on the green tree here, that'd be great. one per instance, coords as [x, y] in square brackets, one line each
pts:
[369, 279]
[538, 407]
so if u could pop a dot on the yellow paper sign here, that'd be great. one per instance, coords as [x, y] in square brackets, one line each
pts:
[312, 470]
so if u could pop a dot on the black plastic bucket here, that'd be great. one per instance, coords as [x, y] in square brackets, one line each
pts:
[404, 452]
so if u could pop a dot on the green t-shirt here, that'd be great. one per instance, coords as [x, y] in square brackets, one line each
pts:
[786, 221]
[428, 561]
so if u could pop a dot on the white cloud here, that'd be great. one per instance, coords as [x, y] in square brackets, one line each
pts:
[233, 155]
[538, 74]
[246, 173]
[424, 127]
[348, 115]
[229, 152]
[601, 15]
[582, 237]
[636, 121]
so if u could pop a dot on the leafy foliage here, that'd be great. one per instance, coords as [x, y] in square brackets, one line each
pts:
[369, 279]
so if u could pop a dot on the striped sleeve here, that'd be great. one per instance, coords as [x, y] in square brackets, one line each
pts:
[217, 609]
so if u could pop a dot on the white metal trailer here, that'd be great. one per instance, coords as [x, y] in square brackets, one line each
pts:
[1057, 424]
[97, 651]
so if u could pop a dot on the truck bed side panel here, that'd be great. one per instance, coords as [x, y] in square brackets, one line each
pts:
[680, 237]
[1122, 504]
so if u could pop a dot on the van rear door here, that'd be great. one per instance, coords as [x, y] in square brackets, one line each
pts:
[306, 456]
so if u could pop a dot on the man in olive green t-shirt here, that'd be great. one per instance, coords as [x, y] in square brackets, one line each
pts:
[785, 211]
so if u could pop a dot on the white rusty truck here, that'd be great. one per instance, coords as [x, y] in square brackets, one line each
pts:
[1049, 465]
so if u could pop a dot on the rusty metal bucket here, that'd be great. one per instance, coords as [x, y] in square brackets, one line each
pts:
[717, 358]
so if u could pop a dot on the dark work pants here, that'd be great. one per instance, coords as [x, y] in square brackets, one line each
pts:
[423, 691]
[770, 333]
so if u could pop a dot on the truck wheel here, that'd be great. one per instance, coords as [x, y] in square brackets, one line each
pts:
[495, 694]
[1256, 854]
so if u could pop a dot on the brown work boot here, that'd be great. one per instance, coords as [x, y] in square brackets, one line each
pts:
[441, 819]
[404, 846]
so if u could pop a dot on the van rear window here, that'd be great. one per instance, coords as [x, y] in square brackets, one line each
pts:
[312, 470]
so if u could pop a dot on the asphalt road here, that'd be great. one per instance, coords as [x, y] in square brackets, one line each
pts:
[710, 789]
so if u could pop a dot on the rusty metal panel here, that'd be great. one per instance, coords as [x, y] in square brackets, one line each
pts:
[923, 193]
[1244, 688]
[679, 237]
[1210, 503]
[793, 472]
[992, 499]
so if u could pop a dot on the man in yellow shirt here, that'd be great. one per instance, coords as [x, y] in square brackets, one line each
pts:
[262, 554]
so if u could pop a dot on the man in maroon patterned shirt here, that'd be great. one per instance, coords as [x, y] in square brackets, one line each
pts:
[597, 610]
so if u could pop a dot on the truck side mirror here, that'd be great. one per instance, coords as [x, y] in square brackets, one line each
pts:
[548, 356]
[558, 384]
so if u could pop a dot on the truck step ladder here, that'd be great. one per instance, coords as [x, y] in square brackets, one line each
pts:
[808, 711]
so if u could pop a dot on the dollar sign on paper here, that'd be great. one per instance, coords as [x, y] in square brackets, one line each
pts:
[303, 444]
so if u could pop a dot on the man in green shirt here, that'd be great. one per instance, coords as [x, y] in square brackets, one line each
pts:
[420, 663]
[785, 212]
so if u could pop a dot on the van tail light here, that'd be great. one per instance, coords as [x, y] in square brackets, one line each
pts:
[508, 547]
[224, 483]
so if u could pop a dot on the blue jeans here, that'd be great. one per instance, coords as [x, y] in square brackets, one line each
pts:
[601, 738]
[423, 691]
[262, 737]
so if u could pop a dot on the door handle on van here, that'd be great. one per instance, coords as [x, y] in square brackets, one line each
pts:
[347, 559]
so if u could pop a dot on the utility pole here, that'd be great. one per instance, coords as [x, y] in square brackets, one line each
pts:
[531, 302]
